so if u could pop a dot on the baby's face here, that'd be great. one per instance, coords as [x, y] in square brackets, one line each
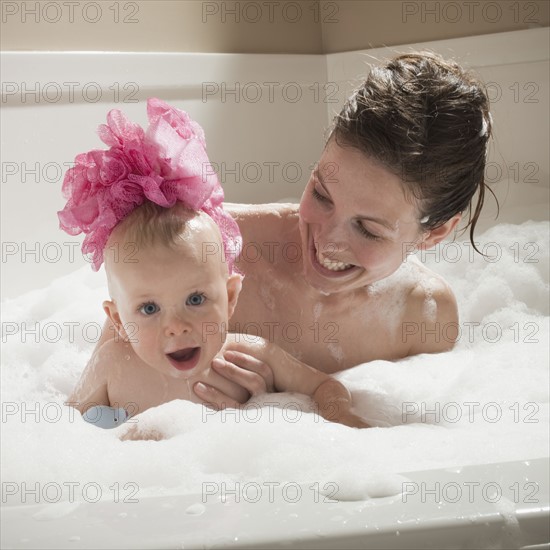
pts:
[174, 303]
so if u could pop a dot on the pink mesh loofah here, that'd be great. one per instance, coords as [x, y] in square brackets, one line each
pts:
[166, 164]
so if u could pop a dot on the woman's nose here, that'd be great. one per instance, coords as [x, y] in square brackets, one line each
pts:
[332, 238]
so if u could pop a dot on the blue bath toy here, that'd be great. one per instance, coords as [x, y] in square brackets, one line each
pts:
[105, 417]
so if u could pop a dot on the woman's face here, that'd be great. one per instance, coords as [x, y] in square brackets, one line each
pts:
[356, 224]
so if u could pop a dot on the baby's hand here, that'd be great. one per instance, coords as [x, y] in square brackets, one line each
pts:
[145, 426]
[137, 432]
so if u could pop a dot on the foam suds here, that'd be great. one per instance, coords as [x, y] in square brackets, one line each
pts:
[317, 309]
[269, 283]
[408, 273]
[430, 305]
[336, 352]
[422, 406]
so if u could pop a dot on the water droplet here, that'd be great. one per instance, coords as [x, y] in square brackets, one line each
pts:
[195, 510]
[127, 357]
[76, 538]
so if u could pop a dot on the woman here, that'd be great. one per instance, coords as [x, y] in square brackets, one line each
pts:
[326, 280]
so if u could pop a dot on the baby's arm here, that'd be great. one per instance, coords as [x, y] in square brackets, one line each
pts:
[91, 389]
[291, 375]
[91, 395]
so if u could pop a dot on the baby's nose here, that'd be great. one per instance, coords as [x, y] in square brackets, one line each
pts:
[175, 323]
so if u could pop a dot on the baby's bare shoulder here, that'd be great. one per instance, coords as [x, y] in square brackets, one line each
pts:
[92, 387]
[114, 349]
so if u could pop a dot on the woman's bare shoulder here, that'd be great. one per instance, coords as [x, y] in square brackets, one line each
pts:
[431, 314]
[267, 210]
[263, 219]
[412, 279]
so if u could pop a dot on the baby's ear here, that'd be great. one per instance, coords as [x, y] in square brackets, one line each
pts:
[234, 286]
[111, 310]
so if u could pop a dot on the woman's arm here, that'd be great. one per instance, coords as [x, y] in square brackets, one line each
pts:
[283, 372]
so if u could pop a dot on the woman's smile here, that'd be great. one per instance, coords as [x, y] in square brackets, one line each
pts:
[327, 265]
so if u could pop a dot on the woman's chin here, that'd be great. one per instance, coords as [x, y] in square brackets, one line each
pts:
[357, 279]
[329, 281]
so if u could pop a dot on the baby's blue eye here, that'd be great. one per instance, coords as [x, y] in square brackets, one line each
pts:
[149, 309]
[196, 299]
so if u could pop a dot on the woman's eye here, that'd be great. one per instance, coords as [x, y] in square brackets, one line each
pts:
[318, 196]
[196, 299]
[149, 308]
[367, 233]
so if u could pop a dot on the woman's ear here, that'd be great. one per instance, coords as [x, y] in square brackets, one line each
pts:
[436, 235]
[234, 286]
[111, 310]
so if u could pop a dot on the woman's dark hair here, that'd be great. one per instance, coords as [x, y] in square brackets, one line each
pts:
[427, 120]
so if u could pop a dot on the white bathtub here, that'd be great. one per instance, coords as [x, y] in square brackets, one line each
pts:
[404, 521]
[46, 132]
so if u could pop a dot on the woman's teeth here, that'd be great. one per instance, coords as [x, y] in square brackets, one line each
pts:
[333, 265]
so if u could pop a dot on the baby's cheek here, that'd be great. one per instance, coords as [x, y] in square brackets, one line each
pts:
[145, 341]
[130, 328]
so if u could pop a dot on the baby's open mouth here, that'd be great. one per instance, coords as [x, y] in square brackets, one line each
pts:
[184, 359]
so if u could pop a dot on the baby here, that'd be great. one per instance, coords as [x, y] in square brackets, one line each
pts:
[152, 211]
[171, 299]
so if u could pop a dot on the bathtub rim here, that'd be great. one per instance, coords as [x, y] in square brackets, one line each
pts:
[443, 524]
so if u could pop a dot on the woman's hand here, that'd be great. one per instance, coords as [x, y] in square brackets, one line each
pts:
[251, 372]
[349, 419]
[334, 403]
